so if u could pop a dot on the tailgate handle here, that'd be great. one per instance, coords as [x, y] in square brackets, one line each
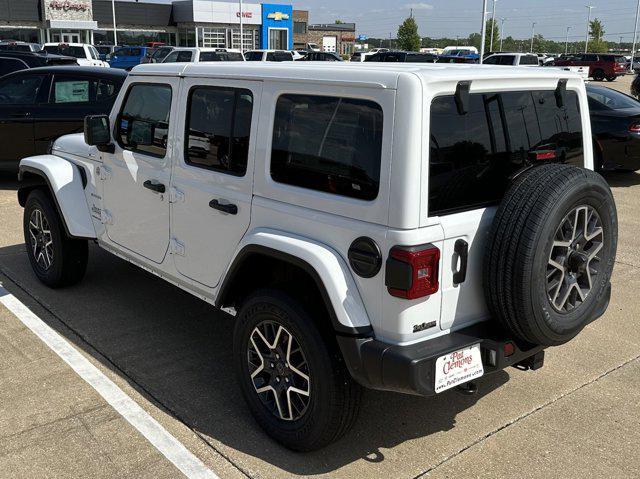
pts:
[461, 250]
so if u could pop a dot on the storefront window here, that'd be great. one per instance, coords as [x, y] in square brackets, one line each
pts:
[19, 34]
[133, 37]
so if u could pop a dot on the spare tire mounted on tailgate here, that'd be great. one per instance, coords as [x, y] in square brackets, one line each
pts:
[551, 251]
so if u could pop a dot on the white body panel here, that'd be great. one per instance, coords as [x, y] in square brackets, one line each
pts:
[66, 184]
[313, 226]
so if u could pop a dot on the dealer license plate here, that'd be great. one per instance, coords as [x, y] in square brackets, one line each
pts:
[458, 367]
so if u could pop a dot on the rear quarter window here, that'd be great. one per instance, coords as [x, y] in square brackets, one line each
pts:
[473, 156]
[328, 144]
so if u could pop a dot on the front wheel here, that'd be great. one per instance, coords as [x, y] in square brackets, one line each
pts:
[56, 259]
[291, 374]
[598, 75]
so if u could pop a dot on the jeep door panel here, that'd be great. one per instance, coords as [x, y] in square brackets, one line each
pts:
[136, 199]
[213, 174]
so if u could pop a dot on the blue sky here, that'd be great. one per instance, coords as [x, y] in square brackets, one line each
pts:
[437, 18]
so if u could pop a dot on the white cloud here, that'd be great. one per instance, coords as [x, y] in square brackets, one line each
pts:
[419, 6]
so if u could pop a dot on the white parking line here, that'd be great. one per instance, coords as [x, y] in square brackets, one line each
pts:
[158, 436]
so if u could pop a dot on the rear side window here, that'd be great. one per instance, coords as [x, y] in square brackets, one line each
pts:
[473, 156]
[10, 65]
[529, 60]
[328, 144]
[143, 123]
[279, 57]
[70, 51]
[20, 89]
[73, 90]
[253, 56]
[218, 129]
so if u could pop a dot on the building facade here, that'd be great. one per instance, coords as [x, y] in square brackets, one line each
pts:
[203, 23]
[300, 29]
[339, 38]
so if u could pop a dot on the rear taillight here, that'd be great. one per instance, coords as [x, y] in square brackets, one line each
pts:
[412, 272]
[634, 128]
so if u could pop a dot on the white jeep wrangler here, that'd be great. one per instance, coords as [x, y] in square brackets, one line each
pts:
[405, 228]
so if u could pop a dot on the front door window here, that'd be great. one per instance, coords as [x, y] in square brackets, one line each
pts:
[278, 39]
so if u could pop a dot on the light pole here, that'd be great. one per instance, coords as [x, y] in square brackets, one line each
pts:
[635, 35]
[113, 11]
[533, 32]
[242, 32]
[493, 22]
[586, 38]
[566, 42]
[502, 31]
[483, 34]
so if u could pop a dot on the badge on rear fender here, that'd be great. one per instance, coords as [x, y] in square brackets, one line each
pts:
[458, 367]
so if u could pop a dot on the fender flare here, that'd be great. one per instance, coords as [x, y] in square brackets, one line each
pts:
[327, 268]
[66, 182]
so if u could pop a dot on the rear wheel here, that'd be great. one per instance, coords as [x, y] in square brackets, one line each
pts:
[598, 75]
[56, 259]
[291, 374]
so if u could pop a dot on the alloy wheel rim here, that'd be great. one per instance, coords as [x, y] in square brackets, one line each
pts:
[41, 239]
[279, 371]
[574, 261]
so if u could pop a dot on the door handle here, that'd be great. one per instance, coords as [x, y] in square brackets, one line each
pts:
[461, 249]
[227, 208]
[21, 114]
[157, 187]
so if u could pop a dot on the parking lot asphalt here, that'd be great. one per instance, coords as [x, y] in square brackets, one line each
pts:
[171, 353]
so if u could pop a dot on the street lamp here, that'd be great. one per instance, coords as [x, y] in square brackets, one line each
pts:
[566, 42]
[493, 22]
[533, 31]
[586, 38]
[635, 35]
[241, 30]
[502, 31]
[483, 34]
[113, 11]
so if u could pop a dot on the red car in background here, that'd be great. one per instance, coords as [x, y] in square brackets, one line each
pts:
[601, 66]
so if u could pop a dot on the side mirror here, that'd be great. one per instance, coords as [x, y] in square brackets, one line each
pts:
[97, 132]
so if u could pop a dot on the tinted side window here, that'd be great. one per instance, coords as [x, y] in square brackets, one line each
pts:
[171, 58]
[143, 123]
[529, 60]
[107, 90]
[218, 129]
[184, 56]
[492, 61]
[20, 90]
[253, 56]
[328, 144]
[473, 156]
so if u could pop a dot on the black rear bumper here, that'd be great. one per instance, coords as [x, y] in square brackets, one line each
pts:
[411, 369]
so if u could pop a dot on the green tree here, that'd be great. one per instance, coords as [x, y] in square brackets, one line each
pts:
[408, 36]
[596, 34]
[496, 36]
[339, 22]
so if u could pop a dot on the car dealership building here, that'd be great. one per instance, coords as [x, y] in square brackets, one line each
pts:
[202, 23]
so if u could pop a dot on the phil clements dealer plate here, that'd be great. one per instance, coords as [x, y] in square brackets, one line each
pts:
[458, 367]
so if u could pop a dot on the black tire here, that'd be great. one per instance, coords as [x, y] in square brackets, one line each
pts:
[334, 398]
[611, 78]
[598, 75]
[524, 292]
[64, 261]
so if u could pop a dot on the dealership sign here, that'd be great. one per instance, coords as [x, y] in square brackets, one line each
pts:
[69, 10]
[278, 16]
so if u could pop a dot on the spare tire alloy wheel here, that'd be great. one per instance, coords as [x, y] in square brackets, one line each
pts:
[574, 262]
[279, 371]
[41, 240]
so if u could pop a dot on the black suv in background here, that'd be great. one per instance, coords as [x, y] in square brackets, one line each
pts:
[402, 57]
[39, 105]
[321, 57]
[14, 61]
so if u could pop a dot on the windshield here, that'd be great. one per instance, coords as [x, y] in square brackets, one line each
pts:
[607, 99]
[76, 52]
